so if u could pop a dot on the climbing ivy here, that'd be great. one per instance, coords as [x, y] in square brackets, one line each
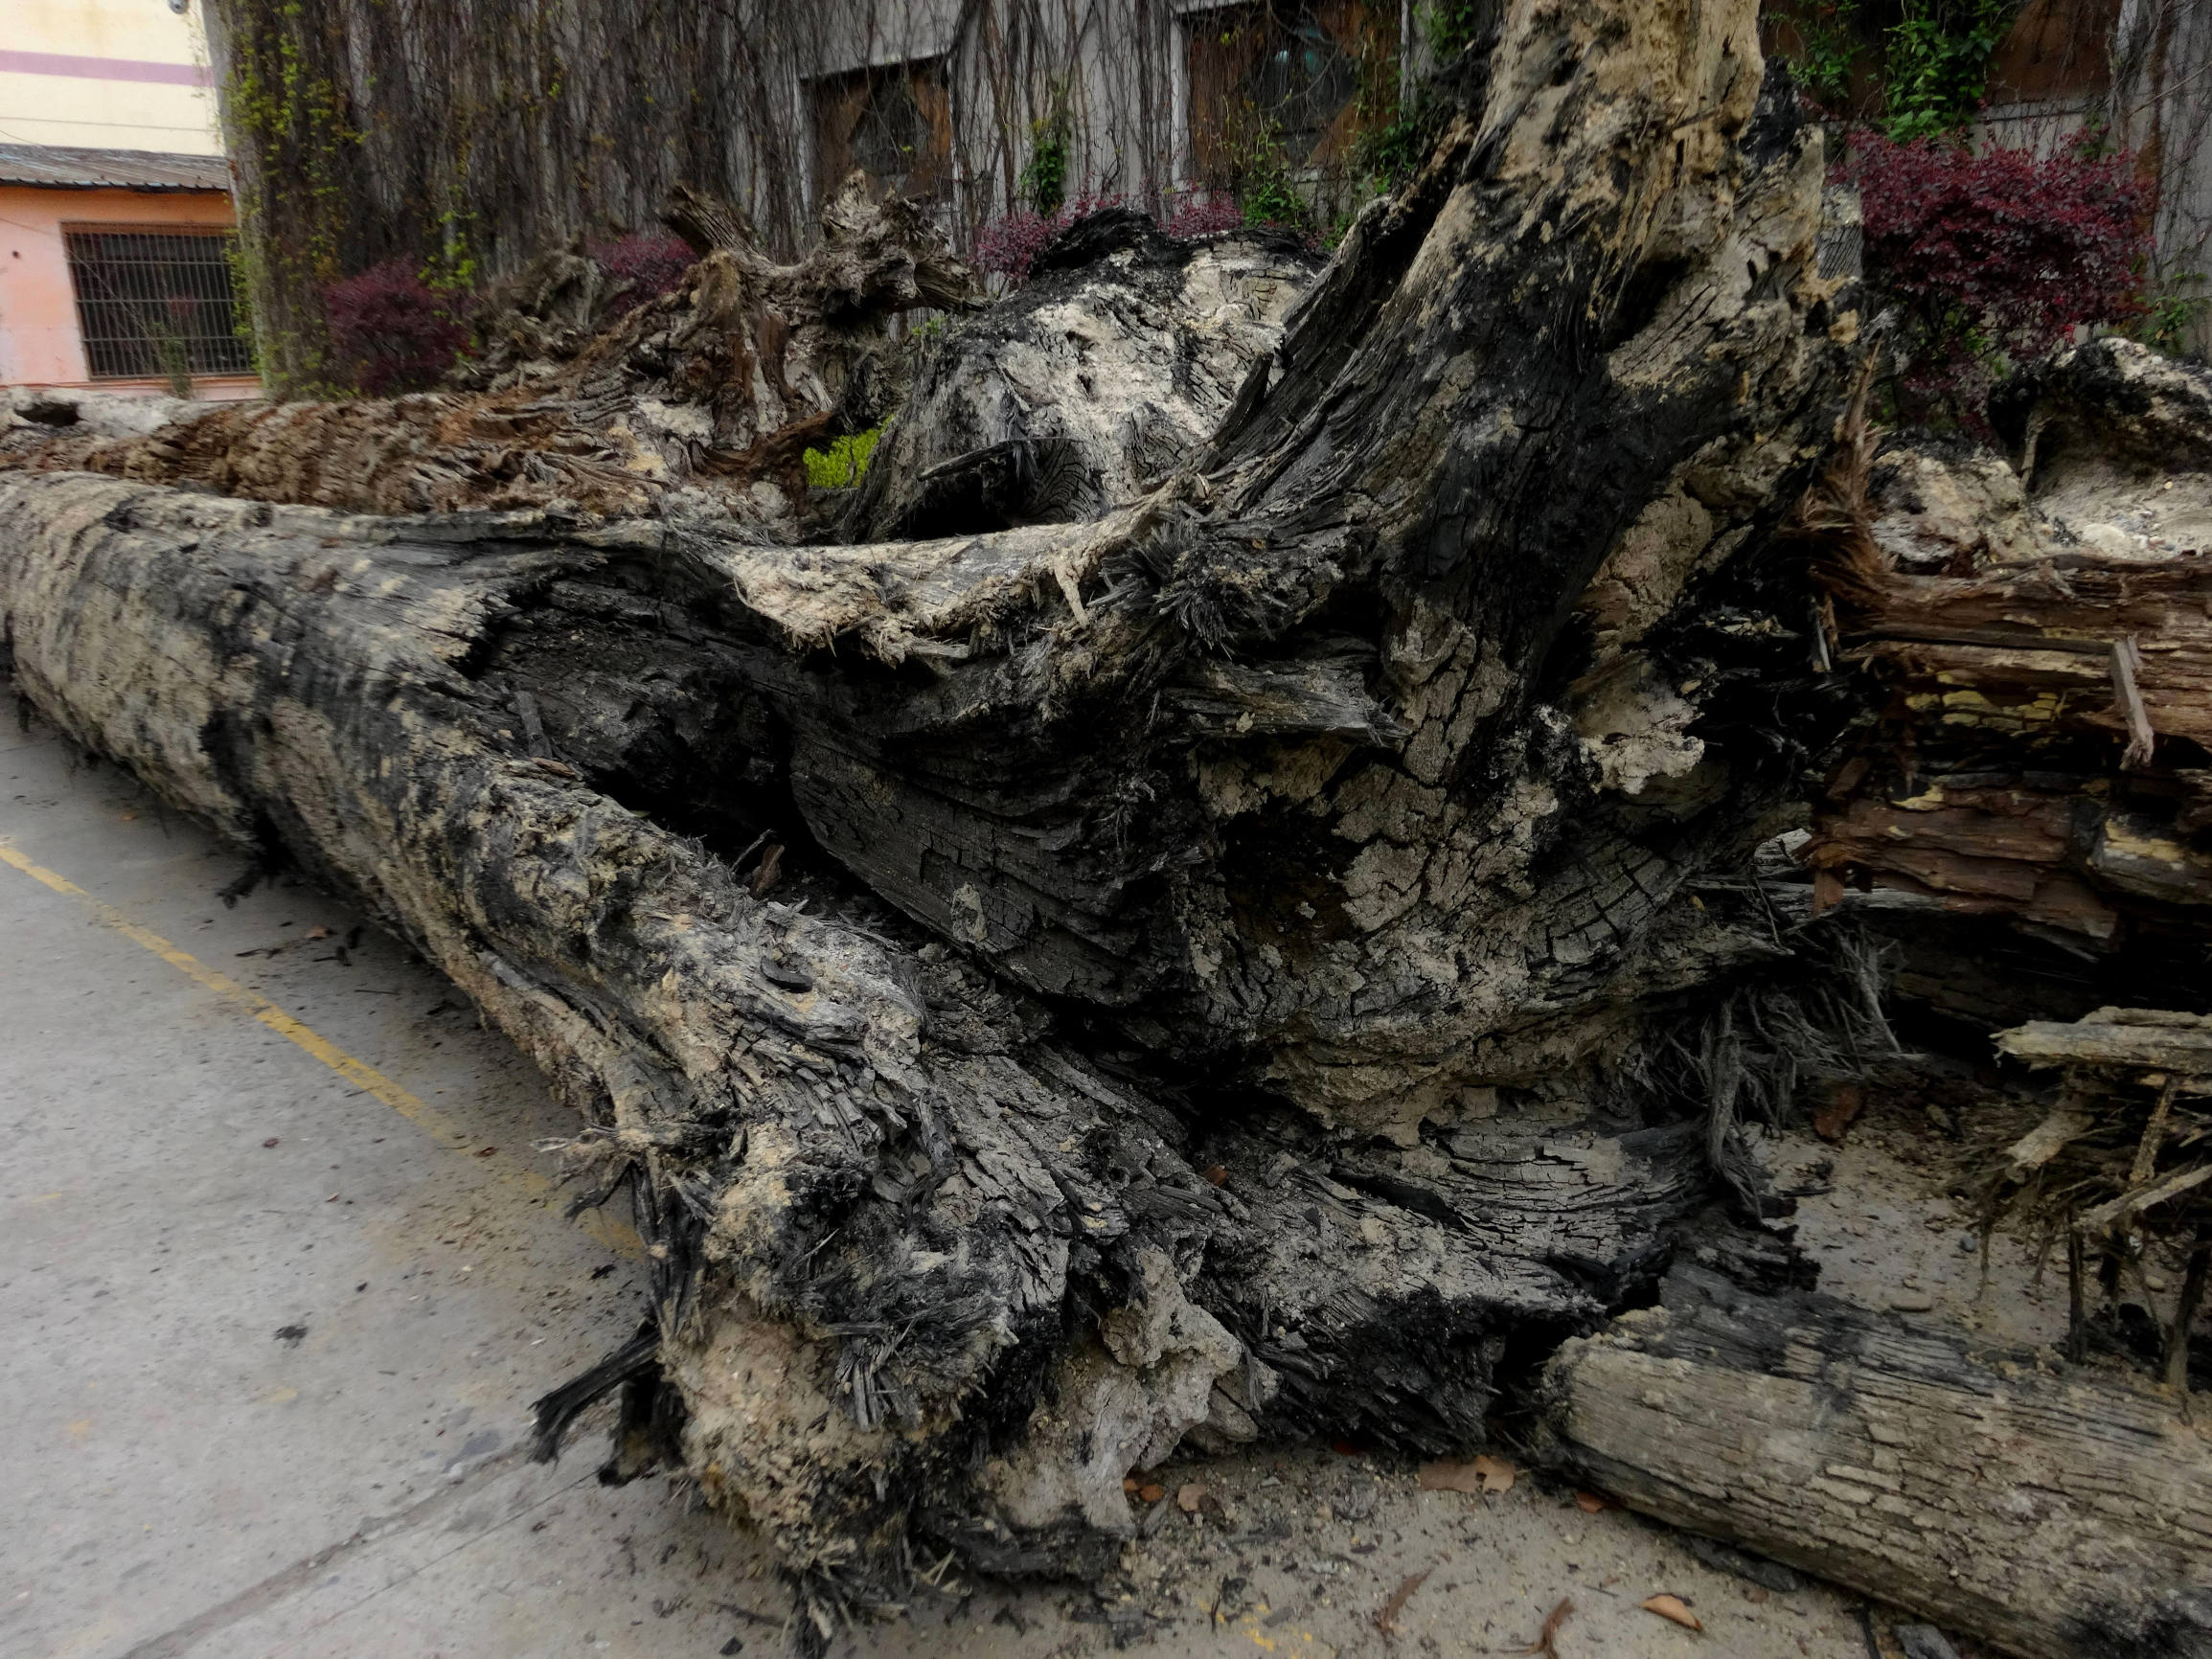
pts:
[1925, 71]
[1396, 131]
[1829, 45]
[1455, 25]
[1043, 184]
[289, 115]
[1936, 63]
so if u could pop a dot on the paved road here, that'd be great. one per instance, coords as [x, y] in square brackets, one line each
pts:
[274, 1322]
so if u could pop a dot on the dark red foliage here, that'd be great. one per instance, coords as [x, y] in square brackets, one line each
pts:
[642, 268]
[1200, 218]
[1010, 242]
[1995, 256]
[1008, 245]
[391, 332]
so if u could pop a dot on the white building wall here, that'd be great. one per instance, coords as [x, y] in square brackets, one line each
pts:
[106, 75]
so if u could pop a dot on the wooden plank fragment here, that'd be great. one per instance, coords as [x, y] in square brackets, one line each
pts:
[2054, 1514]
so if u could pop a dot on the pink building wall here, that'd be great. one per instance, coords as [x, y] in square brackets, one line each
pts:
[40, 342]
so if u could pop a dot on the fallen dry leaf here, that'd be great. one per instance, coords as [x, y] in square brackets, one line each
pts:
[1448, 1477]
[1542, 1645]
[1671, 1608]
[764, 877]
[1151, 1495]
[1189, 1498]
[1386, 1615]
[1486, 1475]
[1131, 1485]
[1595, 1503]
[318, 931]
[1835, 1114]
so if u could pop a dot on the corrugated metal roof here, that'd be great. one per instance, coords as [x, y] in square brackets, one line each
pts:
[66, 167]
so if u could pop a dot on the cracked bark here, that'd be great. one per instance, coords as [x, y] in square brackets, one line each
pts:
[1217, 932]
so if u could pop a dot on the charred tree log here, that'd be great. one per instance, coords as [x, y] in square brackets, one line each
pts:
[1374, 765]
[871, 1180]
[2050, 1513]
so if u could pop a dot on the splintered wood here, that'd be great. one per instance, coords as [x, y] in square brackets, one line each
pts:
[2044, 649]
[2125, 1162]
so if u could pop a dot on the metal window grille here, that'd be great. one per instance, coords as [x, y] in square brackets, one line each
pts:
[156, 305]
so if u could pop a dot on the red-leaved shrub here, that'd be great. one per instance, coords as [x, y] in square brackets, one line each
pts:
[1197, 218]
[391, 332]
[642, 268]
[1994, 256]
[1010, 243]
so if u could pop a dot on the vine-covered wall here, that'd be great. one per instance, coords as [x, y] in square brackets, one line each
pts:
[464, 137]
[469, 135]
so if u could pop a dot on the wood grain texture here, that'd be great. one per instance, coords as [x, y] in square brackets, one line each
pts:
[700, 402]
[2052, 1511]
[2033, 630]
[1215, 932]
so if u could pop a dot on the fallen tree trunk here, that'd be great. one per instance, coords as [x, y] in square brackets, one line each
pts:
[1201, 973]
[2050, 1512]
[846, 1147]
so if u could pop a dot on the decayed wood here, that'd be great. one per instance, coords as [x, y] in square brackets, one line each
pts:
[2121, 1039]
[2051, 1512]
[1100, 376]
[2122, 1162]
[1228, 920]
[701, 402]
[2038, 635]
[1367, 776]
[875, 1188]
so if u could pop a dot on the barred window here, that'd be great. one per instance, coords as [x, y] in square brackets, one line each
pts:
[156, 305]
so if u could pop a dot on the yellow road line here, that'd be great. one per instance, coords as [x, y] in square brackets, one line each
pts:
[362, 1076]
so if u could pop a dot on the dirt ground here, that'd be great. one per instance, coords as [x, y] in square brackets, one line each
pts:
[1312, 1553]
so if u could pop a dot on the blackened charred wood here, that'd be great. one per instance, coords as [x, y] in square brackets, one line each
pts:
[1336, 801]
